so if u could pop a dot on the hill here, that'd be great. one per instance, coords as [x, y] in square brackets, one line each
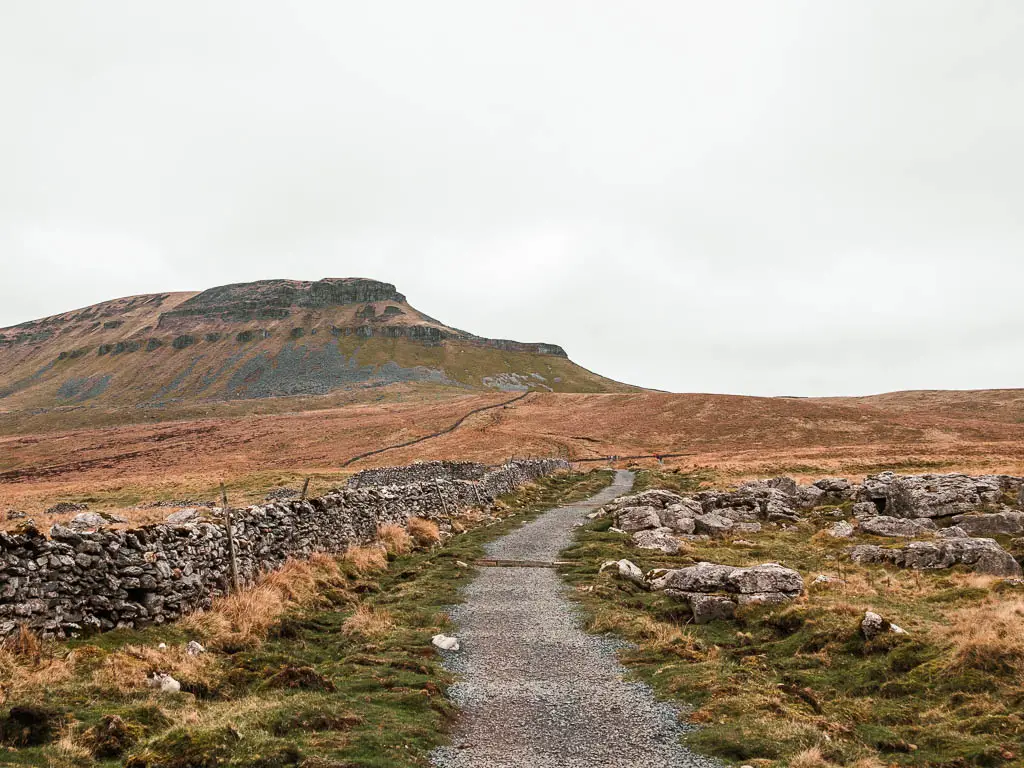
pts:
[251, 341]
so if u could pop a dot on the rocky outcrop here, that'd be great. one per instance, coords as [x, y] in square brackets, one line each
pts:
[896, 526]
[714, 591]
[981, 555]
[936, 496]
[98, 579]
[1007, 523]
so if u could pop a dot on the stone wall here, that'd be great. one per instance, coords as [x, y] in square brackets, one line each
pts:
[80, 581]
[421, 472]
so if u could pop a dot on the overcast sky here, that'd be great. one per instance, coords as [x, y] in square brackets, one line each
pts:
[747, 197]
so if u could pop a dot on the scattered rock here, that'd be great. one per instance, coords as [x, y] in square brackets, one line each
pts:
[983, 555]
[660, 539]
[460, 564]
[281, 494]
[874, 625]
[626, 570]
[91, 520]
[13, 514]
[994, 524]
[633, 519]
[194, 649]
[897, 526]
[865, 509]
[183, 516]
[821, 578]
[712, 524]
[445, 643]
[841, 530]
[707, 608]
[65, 507]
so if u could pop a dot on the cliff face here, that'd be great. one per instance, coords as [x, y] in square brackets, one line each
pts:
[276, 299]
[262, 339]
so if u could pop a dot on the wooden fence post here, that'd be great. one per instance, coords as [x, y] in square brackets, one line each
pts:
[232, 557]
[444, 504]
[305, 487]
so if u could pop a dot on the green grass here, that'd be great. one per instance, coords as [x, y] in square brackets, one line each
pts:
[309, 694]
[778, 681]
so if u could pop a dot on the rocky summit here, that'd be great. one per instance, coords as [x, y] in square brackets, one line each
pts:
[270, 338]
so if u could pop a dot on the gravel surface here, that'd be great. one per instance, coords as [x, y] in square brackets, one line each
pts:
[536, 690]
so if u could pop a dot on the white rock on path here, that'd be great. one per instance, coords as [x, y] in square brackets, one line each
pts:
[445, 643]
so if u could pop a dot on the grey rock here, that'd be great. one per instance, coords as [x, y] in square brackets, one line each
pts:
[809, 496]
[633, 519]
[183, 516]
[660, 539]
[708, 608]
[702, 577]
[679, 517]
[769, 577]
[897, 526]
[1006, 523]
[764, 598]
[865, 509]
[836, 486]
[982, 555]
[840, 530]
[712, 524]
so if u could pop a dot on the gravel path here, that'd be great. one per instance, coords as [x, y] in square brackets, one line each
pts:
[536, 690]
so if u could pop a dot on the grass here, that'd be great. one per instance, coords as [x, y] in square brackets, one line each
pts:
[797, 685]
[326, 663]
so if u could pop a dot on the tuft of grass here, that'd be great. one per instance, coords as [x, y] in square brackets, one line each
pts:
[395, 538]
[368, 622]
[424, 532]
[989, 637]
[367, 559]
[242, 618]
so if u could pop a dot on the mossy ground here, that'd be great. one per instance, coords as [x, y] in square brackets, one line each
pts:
[313, 692]
[778, 682]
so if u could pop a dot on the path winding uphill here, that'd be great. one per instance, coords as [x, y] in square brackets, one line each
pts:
[535, 689]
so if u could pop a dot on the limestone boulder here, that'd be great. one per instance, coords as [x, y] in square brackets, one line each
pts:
[981, 555]
[702, 577]
[633, 519]
[660, 539]
[766, 578]
[1006, 523]
[712, 524]
[897, 526]
[679, 517]
[708, 608]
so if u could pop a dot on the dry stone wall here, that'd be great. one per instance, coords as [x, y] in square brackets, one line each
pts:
[79, 581]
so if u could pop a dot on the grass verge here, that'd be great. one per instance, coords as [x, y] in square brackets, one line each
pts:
[798, 685]
[324, 665]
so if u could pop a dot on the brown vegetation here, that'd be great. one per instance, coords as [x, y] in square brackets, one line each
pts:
[116, 468]
[424, 532]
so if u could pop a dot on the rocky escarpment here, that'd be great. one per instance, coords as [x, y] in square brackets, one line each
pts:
[276, 299]
[81, 578]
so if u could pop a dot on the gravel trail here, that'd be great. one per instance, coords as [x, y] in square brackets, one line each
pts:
[537, 691]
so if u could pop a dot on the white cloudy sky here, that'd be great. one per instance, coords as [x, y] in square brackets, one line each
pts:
[766, 197]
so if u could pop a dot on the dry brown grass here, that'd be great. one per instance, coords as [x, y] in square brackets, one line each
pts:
[424, 532]
[243, 618]
[395, 538]
[809, 758]
[989, 636]
[368, 622]
[367, 559]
